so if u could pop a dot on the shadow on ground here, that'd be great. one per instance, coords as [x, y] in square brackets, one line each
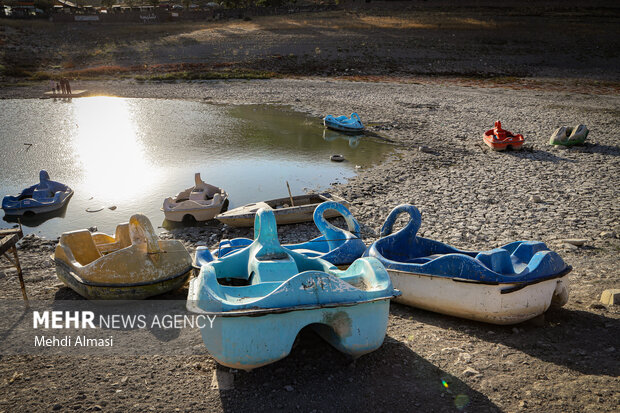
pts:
[575, 339]
[317, 377]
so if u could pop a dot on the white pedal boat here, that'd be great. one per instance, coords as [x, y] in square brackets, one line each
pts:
[201, 202]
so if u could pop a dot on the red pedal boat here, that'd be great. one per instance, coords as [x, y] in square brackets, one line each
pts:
[499, 139]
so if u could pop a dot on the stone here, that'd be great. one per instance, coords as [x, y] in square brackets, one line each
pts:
[607, 234]
[468, 372]
[464, 357]
[611, 297]
[288, 387]
[425, 149]
[222, 380]
[536, 199]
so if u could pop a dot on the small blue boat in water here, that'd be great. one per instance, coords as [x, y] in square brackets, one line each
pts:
[343, 123]
[46, 196]
[337, 246]
[262, 296]
[506, 285]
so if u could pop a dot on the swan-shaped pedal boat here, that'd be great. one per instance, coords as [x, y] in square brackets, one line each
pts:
[506, 285]
[343, 123]
[46, 196]
[500, 139]
[337, 246]
[202, 202]
[264, 294]
[132, 265]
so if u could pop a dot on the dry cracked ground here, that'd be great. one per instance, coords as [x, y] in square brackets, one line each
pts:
[566, 361]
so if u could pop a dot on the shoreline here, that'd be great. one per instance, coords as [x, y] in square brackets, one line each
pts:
[469, 196]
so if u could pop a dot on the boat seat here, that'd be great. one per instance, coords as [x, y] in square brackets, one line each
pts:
[82, 246]
[497, 260]
[197, 195]
[122, 235]
[41, 193]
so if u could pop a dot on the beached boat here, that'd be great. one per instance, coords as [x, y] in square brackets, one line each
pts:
[506, 285]
[343, 123]
[300, 209]
[133, 264]
[46, 196]
[337, 246]
[263, 295]
[569, 136]
[500, 139]
[201, 202]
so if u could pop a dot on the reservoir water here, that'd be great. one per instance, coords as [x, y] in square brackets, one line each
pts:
[133, 153]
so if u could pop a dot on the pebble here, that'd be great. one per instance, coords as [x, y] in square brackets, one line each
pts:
[468, 372]
[288, 387]
[536, 199]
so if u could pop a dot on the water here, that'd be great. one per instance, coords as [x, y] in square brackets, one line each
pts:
[133, 153]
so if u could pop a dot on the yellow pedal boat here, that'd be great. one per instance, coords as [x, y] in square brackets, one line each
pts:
[132, 265]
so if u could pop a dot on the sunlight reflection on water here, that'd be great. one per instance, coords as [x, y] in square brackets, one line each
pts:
[133, 153]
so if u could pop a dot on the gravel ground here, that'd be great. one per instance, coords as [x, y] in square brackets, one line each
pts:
[469, 196]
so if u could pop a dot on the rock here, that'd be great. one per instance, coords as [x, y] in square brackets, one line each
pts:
[57, 406]
[465, 357]
[288, 387]
[468, 372]
[93, 229]
[112, 208]
[425, 149]
[607, 234]
[611, 297]
[536, 199]
[578, 242]
[222, 380]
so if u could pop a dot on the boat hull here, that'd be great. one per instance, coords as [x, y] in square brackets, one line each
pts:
[246, 342]
[34, 207]
[340, 128]
[199, 214]
[239, 217]
[106, 291]
[502, 145]
[498, 303]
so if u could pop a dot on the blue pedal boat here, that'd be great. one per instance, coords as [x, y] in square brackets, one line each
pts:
[337, 246]
[262, 296]
[46, 196]
[506, 285]
[343, 123]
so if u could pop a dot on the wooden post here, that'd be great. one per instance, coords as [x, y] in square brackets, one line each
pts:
[289, 194]
[8, 242]
[19, 274]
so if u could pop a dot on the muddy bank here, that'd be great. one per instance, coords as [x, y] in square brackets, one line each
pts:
[480, 39]
[469, 196]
